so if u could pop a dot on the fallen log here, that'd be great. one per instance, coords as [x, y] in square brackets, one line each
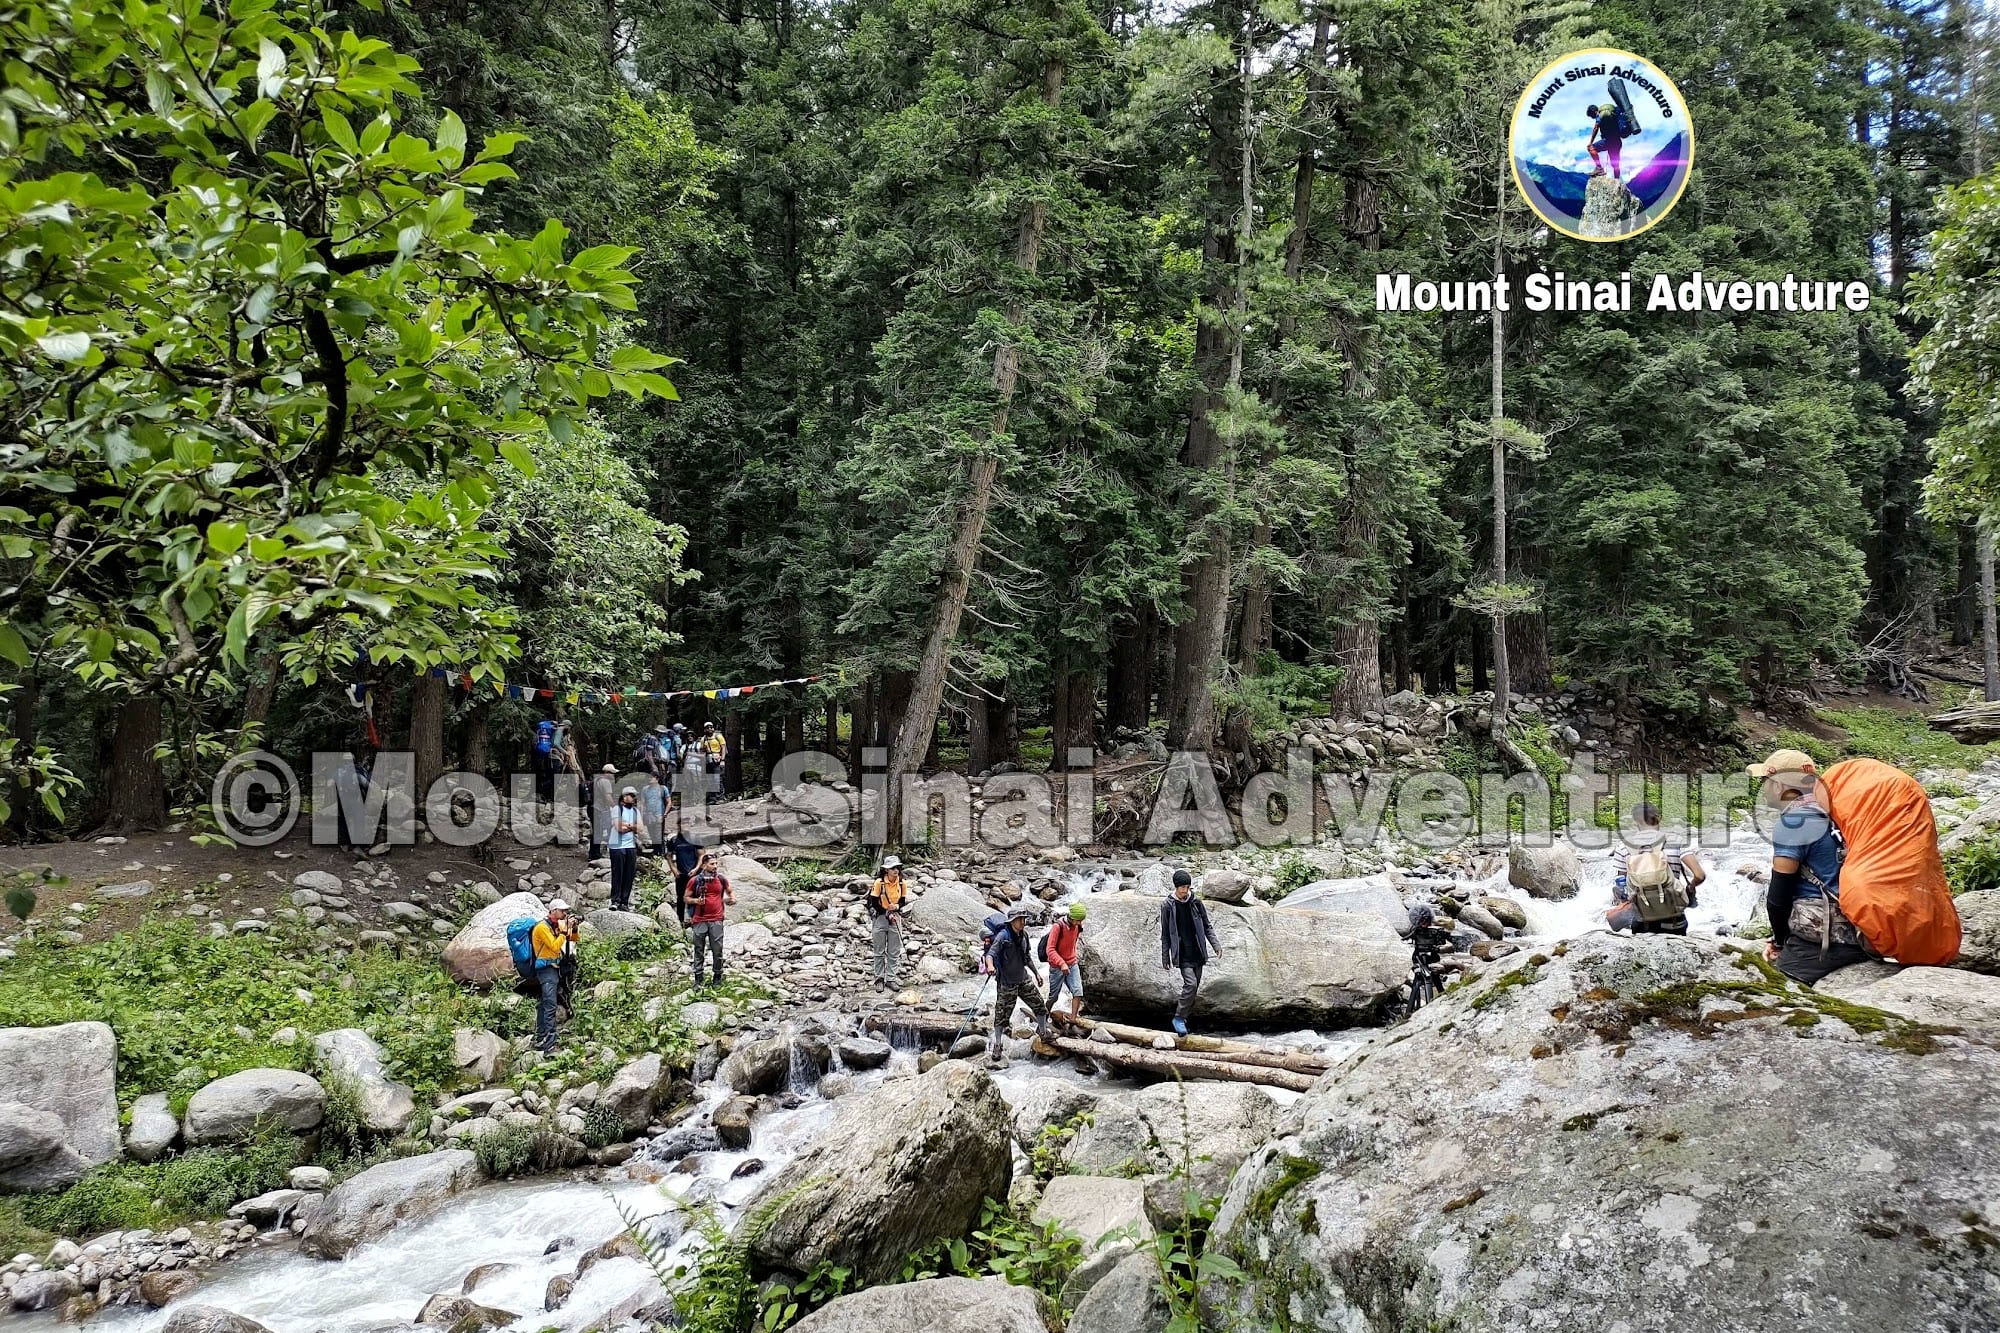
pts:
[1178, 1064]
[1974, 724]
[1238, 1052]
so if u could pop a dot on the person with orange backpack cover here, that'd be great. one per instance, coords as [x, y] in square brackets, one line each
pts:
[1855, 869]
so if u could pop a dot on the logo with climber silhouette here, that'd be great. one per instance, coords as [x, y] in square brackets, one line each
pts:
[1602, 144]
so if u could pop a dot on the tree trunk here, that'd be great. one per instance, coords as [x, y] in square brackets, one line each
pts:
[1965, 600]
[1480, 643]
[832, 734]
[732, 762]
[1004, 721]
[428, 699]
[1200, 637]
[1128, 692]
[1989, 635]
[978, 734]
[478, 736]
[795, 731]
[1528, 661]
[862, 731]
[919, 725]
[135, 788]
[1497, 415]
[25, 703]
[1357, 651]
[263, 689]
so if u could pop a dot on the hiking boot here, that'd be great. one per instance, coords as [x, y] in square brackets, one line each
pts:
[1180, 1027]
[1598, 172]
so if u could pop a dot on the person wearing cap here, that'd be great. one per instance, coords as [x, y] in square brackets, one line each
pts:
[603, 796]
[708, 893]
[714, 747]
[1809, 936]
[658, 802]
[1187, 942]
[886, 898]
[554, 943]
[625, 825]
[1008, 959]
[1065, 971]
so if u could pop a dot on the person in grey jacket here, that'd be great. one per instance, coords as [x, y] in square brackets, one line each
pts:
[1187, 942]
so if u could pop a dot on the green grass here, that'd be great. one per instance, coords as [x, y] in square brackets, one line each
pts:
[1903, 739]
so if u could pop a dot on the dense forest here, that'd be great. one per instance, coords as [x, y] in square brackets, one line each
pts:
[1003, 365]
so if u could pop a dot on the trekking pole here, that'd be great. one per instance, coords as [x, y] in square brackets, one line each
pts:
[967, 1021]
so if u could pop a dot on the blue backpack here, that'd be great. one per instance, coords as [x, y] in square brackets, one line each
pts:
[545, 737]
[521, 944]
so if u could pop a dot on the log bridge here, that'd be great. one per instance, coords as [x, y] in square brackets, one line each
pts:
[1140, 1049]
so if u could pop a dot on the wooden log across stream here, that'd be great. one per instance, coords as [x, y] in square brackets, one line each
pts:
[1974, 724]
[1193, 1056]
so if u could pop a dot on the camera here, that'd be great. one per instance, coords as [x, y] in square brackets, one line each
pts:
[1430, 941]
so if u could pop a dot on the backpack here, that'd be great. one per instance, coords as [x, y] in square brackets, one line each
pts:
[521, 944]
[1042, 947]
[1657, 892]
[545, 737]
[1892, 885]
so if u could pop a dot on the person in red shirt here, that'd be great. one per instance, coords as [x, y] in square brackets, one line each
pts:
[1065, 971]
[707, 894]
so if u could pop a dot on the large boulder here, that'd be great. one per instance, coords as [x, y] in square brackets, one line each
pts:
[1226, 886]
[1277, 965]
[900, 1167]
[936, 1305]
[478, 955]
[1126, 1300]
[1044, 1103]
[154, 1128]
[1371, 895]
[757, 887]
[1941, 995]
[757, 1065]
[953, 910]
[1092, 1208]
[352, 1056]
[208, 1319]
[44, 1290]
[610, 923]
[630, 1093]
[1979, 919]
[231, 1108]
[369, 1204]
[1544, 872]
[1198, 1132]
[58, 1104]
[1647, 1132]
[477, 1057]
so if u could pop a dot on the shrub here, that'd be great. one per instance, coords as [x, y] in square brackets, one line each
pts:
[1973, 865]
[111, 1198]
[801, 874]
[504, 1150]
[602, 1127]
[1293, 872]
[1025, 1252]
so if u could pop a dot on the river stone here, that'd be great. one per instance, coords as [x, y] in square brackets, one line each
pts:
[321, 882]
[478, 954]
[208, 1319]
[138, 888]
[58, 1104]
[1042, 1103]
[1481, 920]
[1115, 1142]
[1506, 911]
[461, 1314]
[369, 1204]
[387, 1107]
[901, 1167]
[630, 1093]
[1226, 886]
[1127, 1300]
[952, 910]
[273, 1208]
[477, 1055]
[864, 1053]
[1943, 995]
[936, 1305]
[165, 1286]
[229, 1109]
[1615, 1167]
[1092, 1208]
[732, 1121]
[1277, 965]
[758, 889]
[1544, 872]
[480, 1274]
[1973, 826]
[612, 923]
[1979, 920]
[758, 1065]
[1371, 895]
[44, 1290]
[1095, 1267]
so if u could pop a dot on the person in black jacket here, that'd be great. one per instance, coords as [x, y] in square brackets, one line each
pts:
[687, 857]
[1187, 942]
[1007, 957]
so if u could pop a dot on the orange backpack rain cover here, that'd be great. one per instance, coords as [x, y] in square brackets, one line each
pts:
[1892, 884]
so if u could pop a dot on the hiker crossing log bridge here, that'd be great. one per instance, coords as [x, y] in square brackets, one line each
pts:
[1163, 1053]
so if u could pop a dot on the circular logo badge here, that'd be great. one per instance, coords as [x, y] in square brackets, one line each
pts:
[1602, 144]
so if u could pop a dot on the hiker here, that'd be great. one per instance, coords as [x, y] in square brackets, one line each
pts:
[554, 942]
[658, 803]
[885, 921]
[1061, 946]
[687, 859]
[624, 847]
[1187, 942]
[1014, 977]
[350, 787]
[708, 893]
[548, 740]
[1607, 133]
[1656, 879]
[602, 798]
[714, 747]
[1810, 936]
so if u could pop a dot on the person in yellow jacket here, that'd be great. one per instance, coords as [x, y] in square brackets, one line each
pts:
[885, 921]
[554, 940]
